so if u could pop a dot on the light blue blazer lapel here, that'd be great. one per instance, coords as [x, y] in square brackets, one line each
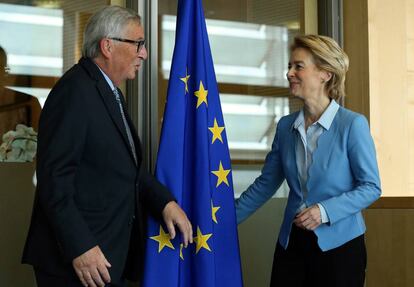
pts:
[323, 154]
[291, 172]
[288, 153]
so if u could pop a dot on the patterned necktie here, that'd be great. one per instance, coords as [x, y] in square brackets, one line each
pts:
[128, 130]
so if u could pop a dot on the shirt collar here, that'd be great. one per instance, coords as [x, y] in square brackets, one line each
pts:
[328, 115]
[300, 120]
[108, 80]
[325, 120]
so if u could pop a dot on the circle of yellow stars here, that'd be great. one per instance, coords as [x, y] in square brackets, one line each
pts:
[201, 240]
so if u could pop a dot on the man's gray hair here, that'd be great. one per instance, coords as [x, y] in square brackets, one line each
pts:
[108, 22]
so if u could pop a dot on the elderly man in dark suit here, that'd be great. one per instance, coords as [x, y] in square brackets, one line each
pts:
[86, 226]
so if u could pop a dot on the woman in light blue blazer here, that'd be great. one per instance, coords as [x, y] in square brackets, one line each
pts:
[327, 156]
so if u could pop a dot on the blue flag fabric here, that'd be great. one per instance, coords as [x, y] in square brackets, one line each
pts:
[194, 163]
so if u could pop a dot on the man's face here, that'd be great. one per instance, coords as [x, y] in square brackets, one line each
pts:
[126, 59]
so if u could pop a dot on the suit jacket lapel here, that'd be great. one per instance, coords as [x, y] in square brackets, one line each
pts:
[291, 143]
[134, 133]
[108, 98]
[323, 153]
[288, 152]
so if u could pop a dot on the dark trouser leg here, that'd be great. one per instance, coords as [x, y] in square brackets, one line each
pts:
[304, 264]
[289, 267]
[345, 265]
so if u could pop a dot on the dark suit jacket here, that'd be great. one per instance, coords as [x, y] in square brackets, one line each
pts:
[89, 188]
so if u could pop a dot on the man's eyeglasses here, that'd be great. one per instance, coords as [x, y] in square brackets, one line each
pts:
[139, 43]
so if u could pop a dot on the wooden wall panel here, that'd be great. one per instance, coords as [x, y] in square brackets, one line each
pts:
[390, 237]
[356, 46]
[16, 201]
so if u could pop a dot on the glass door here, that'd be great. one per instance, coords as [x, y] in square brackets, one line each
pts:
[249, 42]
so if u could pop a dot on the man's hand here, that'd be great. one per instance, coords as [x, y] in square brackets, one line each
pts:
[309, 218]
[174, 215]
[92, 268]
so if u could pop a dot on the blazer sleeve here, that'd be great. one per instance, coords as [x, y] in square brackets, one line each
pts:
[364, 168]
[153, 194]
[262, 189]
[62, 134]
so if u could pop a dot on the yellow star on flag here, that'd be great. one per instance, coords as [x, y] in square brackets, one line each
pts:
[185, 80]
[216, 130]
[201, 240]
[181, 251]
[163, 240]
[214, 210]
[201, 94]
[221, 174]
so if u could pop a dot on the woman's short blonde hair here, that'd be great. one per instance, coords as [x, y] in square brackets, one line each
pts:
[329, 57]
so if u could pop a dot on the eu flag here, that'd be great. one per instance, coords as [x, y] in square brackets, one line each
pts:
[194, 163]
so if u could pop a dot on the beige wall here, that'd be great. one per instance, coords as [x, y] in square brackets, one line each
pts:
[379, 38]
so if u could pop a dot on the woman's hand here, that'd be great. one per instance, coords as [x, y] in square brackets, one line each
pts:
[309, 218]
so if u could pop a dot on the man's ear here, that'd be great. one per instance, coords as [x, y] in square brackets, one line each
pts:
[106, 47]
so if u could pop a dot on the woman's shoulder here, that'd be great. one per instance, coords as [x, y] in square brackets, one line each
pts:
[346, 119]
[347, 115]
